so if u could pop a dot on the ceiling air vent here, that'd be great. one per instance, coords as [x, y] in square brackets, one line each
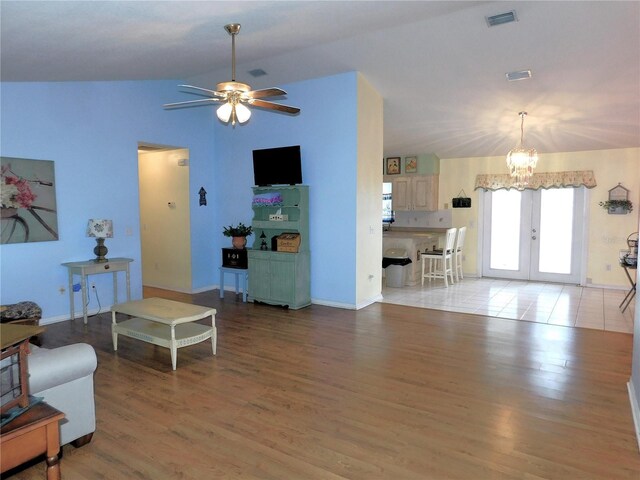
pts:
[502, 18]
[521, 75]
[257, 72]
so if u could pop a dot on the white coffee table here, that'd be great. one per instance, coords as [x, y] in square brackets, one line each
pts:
[165, 323]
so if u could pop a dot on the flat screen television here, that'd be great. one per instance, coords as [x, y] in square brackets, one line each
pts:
[277, 166]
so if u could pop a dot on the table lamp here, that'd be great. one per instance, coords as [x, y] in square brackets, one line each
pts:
[100, 229]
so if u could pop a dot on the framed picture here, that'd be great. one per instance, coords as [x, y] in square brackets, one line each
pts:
[410, 164]
[28, 209]
[393, 165]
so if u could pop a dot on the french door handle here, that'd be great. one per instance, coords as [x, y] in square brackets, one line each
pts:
[534, 230]
[534, 237]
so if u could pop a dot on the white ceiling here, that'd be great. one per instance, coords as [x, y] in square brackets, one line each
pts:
[439, 68]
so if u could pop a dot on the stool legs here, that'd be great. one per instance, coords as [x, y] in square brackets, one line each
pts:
[240, 274]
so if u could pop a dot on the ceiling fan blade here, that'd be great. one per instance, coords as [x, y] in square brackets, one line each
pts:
[192, 103]
[210, 92]
[273, 106]
[266, 92]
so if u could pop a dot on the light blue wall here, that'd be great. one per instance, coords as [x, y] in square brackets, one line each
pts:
[91, 130]
[326, 130]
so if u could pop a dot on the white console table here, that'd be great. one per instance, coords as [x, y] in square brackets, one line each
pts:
[90, 267]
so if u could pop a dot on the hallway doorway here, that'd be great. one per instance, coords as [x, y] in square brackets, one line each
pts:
[165, 231]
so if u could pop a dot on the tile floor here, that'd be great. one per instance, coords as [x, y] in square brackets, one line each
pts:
[551, 303]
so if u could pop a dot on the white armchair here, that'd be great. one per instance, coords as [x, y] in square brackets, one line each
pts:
[64, 377]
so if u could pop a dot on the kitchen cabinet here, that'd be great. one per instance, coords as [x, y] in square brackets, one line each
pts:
[275, 277]
[415, 193]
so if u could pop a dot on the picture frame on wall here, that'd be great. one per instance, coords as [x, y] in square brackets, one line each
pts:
[393, 165]
[28, 208]
[410, 164]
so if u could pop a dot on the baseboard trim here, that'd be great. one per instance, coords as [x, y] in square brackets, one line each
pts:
[369, 301]
[635, 410]
[173, 289]
[605, 287]
[208, 288]
[77, 313]
[326, 303]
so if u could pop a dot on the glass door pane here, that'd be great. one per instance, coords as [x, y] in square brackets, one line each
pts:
[505, 230]
[556, 230]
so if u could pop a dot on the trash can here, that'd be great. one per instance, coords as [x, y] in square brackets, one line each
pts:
[395, 263]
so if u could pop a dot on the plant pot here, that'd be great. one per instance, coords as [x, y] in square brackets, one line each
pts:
[239, 242]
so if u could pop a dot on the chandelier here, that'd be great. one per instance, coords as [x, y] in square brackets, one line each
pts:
[521, 160]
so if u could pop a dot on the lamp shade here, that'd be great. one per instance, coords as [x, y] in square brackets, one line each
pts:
[100, 228]
[243, 113]
[224, 112]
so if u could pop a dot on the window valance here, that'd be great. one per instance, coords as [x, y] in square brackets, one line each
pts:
[496, 181]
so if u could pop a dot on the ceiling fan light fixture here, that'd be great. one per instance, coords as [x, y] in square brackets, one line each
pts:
[233, 86]
[521, 161]
[243, 114]
[236, 96]
[224, 112]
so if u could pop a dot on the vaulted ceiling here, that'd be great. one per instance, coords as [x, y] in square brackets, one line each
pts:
[439, 67]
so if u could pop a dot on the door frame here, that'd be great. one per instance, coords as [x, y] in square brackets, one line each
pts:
[584, 254]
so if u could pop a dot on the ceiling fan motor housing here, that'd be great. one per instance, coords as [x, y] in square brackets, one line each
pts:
[233, 87]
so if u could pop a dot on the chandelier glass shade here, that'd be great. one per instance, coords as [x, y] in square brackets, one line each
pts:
[521, 160]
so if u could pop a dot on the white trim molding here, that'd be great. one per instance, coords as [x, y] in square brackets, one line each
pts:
[635, 410]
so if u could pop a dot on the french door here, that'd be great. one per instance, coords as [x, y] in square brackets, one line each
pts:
[534, 234]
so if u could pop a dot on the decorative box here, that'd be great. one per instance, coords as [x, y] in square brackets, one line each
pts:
[234, 257]
[288, 242]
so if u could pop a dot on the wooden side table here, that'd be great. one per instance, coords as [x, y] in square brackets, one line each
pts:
[29, 435]
[90, 267]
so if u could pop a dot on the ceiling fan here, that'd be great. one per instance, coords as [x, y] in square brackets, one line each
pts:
[235, 96]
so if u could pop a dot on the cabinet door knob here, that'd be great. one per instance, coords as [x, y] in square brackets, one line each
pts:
[106, 267]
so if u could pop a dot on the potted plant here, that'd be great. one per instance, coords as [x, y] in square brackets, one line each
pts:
[238, 234]
[617, 206]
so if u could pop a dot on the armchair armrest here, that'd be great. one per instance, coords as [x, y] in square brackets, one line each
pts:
[51, 367]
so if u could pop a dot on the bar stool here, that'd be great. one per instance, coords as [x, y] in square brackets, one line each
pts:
[441, 261]
[457, 258]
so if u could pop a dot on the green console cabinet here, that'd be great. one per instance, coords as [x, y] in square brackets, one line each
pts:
[280, 278]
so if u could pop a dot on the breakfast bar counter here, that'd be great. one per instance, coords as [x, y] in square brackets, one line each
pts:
[415, 241]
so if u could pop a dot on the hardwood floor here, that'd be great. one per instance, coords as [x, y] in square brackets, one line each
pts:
[386, 392]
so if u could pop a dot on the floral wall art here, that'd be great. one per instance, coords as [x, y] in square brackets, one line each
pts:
[28, 201]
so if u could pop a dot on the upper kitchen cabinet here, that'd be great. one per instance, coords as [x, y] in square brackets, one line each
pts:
[415, 182]
[415, 193]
